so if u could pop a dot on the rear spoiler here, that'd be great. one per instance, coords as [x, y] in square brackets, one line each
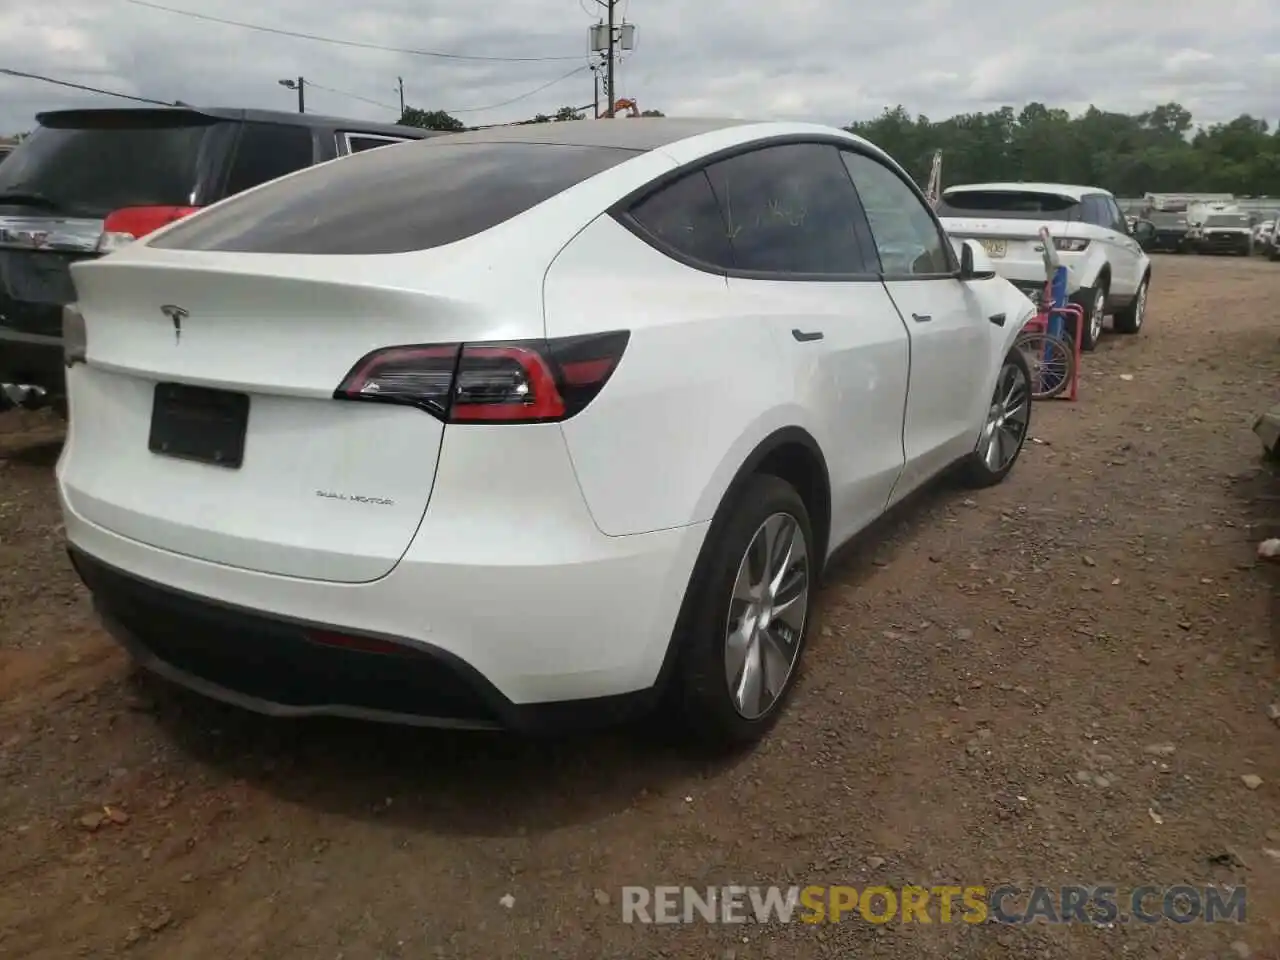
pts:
[125, 117]
[1065, 197]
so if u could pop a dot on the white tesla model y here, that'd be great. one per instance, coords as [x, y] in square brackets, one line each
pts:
[524, 427]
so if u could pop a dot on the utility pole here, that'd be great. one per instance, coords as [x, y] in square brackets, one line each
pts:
[300, 85]
[612, 5]
[401, 81]
[608, 39]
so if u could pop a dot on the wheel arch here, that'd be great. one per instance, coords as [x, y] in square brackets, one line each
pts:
[787, 452]
[792, 454]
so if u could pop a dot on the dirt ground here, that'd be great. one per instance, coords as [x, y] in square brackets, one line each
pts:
[1065, 679]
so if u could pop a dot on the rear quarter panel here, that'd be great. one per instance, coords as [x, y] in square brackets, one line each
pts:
[696, 391]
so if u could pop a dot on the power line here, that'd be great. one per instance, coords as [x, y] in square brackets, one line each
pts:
[523, 96]
[342, 43]
[353, 96]
[81, 86]
[310, 83]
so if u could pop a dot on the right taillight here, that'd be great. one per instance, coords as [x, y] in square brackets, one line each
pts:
[523, 381]
[1070, 244]
[123, 227]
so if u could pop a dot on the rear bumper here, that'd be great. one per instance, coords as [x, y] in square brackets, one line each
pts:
[293, 668]
[1226, 243]
[1167, 242]
[34, 359]
[1029, 275]
[581, 640]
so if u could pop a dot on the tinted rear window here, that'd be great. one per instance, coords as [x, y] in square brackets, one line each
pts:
[117, 162]
[266, 151]
[1008, 204]
[393, 200]
[1227, 220]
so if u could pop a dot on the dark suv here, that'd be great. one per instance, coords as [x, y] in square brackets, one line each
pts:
[88, 181]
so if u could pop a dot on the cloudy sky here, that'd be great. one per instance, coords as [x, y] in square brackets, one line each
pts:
[826, 60]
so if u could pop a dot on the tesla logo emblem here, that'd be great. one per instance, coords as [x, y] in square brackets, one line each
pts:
[176, 314]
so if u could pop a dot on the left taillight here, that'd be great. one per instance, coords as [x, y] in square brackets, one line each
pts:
[122, 227]
[523, 381]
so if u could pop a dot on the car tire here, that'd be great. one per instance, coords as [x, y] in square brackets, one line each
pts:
[721, 601]
[1129, 320]
[1093, 300]
[1010, 406]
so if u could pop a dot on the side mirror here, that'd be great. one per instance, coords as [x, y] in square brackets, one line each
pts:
[974, 262]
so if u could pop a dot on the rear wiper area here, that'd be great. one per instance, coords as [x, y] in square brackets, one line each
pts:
[29, 198]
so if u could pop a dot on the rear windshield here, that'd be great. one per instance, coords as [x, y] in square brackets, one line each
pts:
[1008, 204]
[118, 161]
[1227, 220]
[1169, 219]
[396, 199]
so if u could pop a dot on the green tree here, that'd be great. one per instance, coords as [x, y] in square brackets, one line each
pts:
[568, 113]
[431, 120]
[1160, 150]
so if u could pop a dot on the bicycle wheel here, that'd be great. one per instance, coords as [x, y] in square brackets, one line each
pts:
[1052, 361]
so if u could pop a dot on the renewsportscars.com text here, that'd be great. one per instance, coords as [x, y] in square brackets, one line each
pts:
[1098, 905]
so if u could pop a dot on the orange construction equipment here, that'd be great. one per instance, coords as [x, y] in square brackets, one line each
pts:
[625, 104]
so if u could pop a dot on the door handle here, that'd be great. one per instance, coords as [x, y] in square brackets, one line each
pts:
[998, 319]
[921, 317]
[804, 336]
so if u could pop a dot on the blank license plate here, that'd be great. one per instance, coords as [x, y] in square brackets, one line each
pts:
[196, 423]
[995, 248]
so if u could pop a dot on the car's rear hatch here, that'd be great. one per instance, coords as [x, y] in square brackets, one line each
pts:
[275, 300]
[1007, 222]
[204, 421]
[77, 168]
[1171, 228]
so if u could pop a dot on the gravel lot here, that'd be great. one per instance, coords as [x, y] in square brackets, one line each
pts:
[1065, 679]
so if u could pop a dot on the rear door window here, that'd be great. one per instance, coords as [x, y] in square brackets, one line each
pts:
[90, 163]
[684, 217]
[266, 151]
[790, 211]
[1118, 221]
[394, 201]
[1095, 212]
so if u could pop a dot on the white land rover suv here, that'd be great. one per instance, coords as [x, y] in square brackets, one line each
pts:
[1108, 272]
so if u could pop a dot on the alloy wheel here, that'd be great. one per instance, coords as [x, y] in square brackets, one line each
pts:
[1007, 419]
[1095, 318]
[767, 616]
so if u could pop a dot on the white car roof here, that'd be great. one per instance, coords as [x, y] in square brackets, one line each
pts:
[1075, 192]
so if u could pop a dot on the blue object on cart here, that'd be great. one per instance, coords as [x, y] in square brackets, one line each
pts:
[1057, 300]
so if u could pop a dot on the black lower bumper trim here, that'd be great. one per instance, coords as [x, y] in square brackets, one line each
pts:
[284, 667]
